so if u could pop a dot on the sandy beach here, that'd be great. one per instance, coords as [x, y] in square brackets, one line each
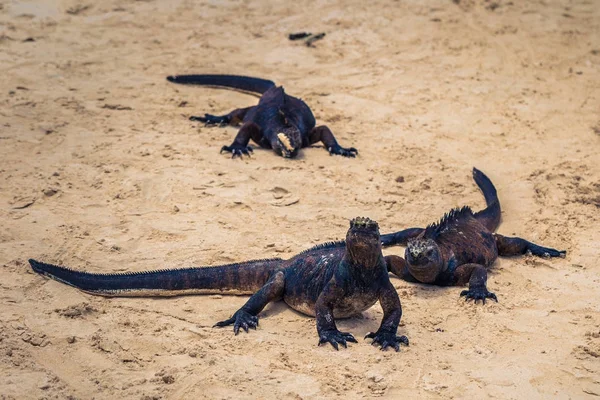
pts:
[100, 169]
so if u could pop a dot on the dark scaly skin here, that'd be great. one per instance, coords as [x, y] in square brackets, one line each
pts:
[459, 249]
[328, 281]
[280, 122]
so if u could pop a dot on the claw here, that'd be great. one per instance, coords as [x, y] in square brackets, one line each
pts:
[350, 152]
[478, 294]
[350, 338]
[241, 319]
[211, 120]
[224, 323]
[402, 339]
[387, 339]
[335, 338]
[237, 150]
[546, 252]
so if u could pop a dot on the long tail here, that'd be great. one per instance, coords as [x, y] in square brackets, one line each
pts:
[490, 216]
[242, 278]
[243, 83]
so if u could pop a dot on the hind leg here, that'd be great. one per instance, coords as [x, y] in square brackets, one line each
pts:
[247, 316]
[512, 246]
[233, 118]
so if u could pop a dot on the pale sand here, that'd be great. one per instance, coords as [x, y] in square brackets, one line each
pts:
[94, 135]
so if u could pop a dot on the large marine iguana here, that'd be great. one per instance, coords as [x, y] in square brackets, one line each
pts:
[458, 249]
[331, 280]
[280, 122]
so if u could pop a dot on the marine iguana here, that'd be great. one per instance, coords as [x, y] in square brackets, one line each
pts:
[280, 122]
[460, 247]
[331, 280]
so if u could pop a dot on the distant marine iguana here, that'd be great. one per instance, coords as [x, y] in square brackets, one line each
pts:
[458, 249]
[280, 122]
[331, 280]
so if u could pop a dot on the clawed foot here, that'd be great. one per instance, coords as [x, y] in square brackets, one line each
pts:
[546, 252]
[210, 120]
[241, 319]
[387, 339]
[237, 150]
[334, 337]
[478, 294]
[350, 152]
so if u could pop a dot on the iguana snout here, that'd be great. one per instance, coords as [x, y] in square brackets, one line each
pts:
[289, 143]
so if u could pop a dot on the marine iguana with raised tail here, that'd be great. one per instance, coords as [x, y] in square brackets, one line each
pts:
[458, 249]
[328, 281]
[280, 122]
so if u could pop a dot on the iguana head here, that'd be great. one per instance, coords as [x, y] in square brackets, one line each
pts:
[363, 240]
[289, 142]
[424, 259]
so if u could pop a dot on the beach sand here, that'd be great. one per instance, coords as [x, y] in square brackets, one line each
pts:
[101, 170]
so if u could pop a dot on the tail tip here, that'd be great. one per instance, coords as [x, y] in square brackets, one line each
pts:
[35, 265]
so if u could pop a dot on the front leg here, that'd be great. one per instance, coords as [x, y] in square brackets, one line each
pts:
[392, 312]
[397, 266]
[476, 275]
[247, 316]
[326, 328]
[324, 134]
[512, 246]
[400, 238]
[233, 118]
[240, 144]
